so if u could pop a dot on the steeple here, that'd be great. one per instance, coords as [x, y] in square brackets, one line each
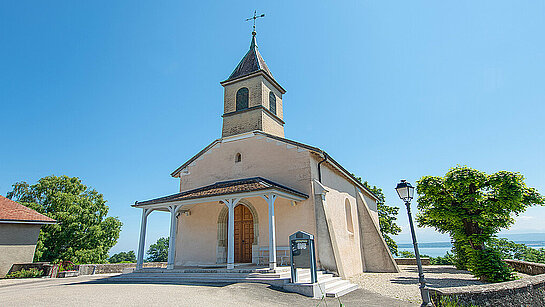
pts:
[252, 62]
[253, 98]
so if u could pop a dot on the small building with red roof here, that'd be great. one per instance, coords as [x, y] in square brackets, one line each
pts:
[19, 230]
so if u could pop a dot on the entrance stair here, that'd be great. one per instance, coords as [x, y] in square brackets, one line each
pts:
[328, 284]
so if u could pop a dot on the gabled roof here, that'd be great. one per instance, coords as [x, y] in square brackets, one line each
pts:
[224, 188]
[315, 150]
[252, 62]
[13, 212]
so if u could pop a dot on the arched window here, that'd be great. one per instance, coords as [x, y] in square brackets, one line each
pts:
[242, 99]
[238, 157]
[349, 222]
[272, 102]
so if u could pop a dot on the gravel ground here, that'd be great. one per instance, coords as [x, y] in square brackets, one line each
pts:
[404, 285]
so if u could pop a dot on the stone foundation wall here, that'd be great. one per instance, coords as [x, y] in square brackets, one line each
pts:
[412, 261]
[91, 269]
[46, 267]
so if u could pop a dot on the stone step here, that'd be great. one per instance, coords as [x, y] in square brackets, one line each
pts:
[341, 290]
[329, 280]
[204, 275]
[278, 270]
[178, 274]
[306, 275]
[193, 276]
[323, 279]
[211, 280]
[335, 284]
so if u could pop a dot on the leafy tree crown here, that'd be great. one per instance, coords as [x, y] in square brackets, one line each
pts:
[472, 206]
[83, 233]
[158, 251]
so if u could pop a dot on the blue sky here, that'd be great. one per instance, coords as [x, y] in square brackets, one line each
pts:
[120, 93]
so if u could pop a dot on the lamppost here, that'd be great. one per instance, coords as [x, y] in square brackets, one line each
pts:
[406, 191]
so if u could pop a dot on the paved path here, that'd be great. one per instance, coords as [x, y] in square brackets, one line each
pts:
[404, 285]
[96, 291]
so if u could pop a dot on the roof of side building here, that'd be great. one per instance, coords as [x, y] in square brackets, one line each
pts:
[14, 212]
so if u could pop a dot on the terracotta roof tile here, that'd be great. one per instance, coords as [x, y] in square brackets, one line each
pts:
[15, 212]
[224, 188]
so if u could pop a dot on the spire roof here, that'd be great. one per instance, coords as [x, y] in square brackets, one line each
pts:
[252, 62]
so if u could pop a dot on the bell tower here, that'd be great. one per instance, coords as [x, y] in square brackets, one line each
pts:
[252, 98]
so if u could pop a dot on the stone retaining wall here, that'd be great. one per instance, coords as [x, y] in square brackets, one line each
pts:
[529, 268]
[528, 291]
[46, 267]
[412, 261]
[91, 269]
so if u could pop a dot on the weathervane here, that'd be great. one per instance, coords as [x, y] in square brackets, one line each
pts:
[254, 18]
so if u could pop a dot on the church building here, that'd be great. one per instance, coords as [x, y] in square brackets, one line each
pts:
[243, 195]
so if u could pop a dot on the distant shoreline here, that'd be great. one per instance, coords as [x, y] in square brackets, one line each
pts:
[436, 249]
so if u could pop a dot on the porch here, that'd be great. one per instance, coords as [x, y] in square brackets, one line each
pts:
[232, 205]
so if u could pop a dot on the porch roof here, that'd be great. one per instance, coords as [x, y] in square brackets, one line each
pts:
[233, 188]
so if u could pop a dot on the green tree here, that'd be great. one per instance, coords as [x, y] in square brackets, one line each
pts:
[158, 251]
[387, 216]
[123, 257]
[83, 233]
[471, 207]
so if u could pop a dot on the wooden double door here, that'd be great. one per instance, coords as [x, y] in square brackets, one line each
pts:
[244, 234]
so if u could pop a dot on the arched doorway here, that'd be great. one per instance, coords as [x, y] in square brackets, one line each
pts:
[252, 244]
[244, 234]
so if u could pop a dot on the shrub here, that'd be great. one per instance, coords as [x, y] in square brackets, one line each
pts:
[30, 273]
[407, 254]
[447, 301]
[123, 257]
[446, 259]
[488, 266]
[65, 265]
[535, 255]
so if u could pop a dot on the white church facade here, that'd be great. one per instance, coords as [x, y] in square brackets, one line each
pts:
[245, 193]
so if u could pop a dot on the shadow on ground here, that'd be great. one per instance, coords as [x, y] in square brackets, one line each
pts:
[437, 282]
[263, 293]
[111, 280]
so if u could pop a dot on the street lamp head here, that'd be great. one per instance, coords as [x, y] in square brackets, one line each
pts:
[405, 191]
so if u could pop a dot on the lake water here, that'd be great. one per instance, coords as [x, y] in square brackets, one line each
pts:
[436, 249]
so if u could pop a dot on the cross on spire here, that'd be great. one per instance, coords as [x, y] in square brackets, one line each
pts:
[254, 18]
